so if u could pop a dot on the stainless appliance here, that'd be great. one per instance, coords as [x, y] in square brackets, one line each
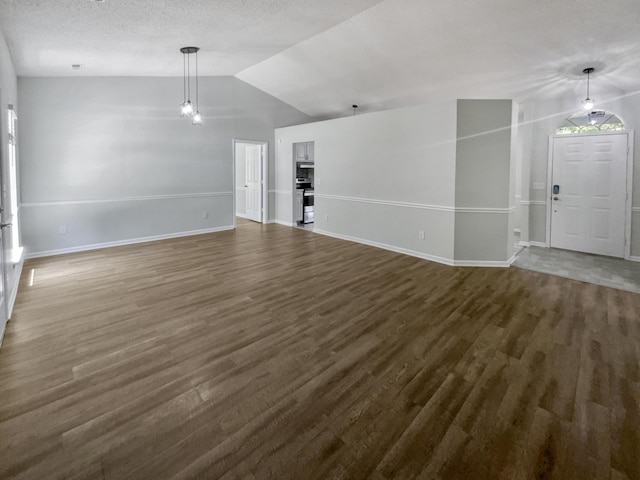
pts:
[304, 184]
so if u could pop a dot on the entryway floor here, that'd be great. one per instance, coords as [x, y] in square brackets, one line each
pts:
[597, 269]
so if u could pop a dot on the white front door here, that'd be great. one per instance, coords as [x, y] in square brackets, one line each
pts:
[588, 198]
[253, 182]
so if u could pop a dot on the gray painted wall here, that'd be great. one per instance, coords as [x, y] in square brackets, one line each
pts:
[484, 182]
[110, 160]
[443, 168]
[380, 178]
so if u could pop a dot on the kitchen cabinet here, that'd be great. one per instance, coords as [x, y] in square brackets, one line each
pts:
[304, 151]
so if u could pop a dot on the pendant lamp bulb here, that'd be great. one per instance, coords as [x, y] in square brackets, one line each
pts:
[587, 103]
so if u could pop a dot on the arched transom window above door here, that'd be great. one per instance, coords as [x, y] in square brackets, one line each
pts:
[594, 121]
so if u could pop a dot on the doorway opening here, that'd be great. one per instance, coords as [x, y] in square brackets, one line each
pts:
[589, 191]
[251, 196]
[304, 185]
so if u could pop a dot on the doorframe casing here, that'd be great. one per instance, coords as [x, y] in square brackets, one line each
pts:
[629, 184]
[264, 186]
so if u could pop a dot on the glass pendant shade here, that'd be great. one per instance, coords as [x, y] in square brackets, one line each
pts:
[197, 119]
[587, 104]
[186, 109]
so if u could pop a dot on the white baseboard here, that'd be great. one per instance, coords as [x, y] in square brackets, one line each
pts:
[14, 290]
[634, 259]
[282, 222]
[119, 243]
[484, 263]
[413, 253]
[524, 244]
[241, 215]
[538, 244]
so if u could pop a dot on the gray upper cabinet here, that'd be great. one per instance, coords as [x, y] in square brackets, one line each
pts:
[303, 151]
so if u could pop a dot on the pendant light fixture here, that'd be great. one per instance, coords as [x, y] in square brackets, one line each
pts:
[187, 108]
[587, 103]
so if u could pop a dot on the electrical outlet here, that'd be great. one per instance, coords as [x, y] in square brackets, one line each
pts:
[62, 229]
[205, 214]
[539, 186]
[421, 234]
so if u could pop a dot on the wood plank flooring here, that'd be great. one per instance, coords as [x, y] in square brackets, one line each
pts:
[274, 353]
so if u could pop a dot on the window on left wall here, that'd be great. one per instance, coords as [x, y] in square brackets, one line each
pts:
[13, 182]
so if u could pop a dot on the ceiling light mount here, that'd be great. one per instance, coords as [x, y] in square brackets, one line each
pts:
[588, 103]
[187, 108]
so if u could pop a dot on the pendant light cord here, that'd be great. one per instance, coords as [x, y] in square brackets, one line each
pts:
[188, 78]
[184, 79]
[588, 78]
[197, 82]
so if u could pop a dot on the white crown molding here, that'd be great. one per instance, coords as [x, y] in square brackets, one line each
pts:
[131, 241]
[127, 199]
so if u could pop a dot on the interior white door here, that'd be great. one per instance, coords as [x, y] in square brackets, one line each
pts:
[588, 206]
[253, 183]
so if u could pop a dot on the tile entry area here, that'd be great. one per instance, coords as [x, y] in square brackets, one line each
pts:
[597, 269]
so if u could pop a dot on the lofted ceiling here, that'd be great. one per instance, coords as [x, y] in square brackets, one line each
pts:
[321, 57]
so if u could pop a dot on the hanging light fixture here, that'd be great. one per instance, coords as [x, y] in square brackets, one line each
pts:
[187, 108]
[587, 103]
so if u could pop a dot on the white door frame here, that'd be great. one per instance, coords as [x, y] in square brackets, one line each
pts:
[628, 202]
[265, 177]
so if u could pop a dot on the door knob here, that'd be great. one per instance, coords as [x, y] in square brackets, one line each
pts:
[556, 198]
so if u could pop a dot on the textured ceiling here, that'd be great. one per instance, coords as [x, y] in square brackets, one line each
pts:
[143, 37]
[403, 52]
[323, 56]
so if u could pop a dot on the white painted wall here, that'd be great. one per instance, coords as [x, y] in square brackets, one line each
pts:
[111, 160]
[8, 96]
[380, 178]
[545, 118]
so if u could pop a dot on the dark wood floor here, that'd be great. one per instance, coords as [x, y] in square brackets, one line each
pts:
[271, 352]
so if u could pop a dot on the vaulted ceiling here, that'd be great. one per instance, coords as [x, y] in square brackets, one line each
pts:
[321, 57]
